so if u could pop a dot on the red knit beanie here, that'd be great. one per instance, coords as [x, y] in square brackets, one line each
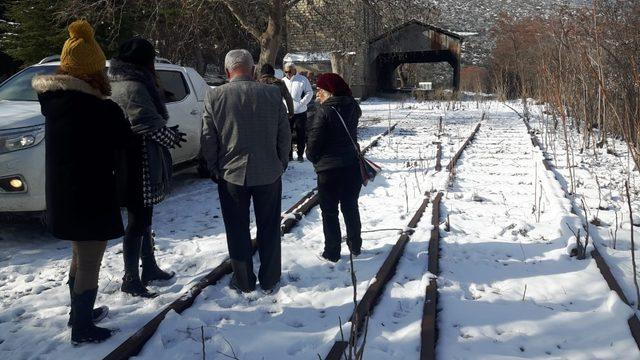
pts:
[334, 84]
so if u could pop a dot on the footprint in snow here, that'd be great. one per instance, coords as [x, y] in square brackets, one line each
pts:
[296, 347]
[293, 277]
[294, 323]
[471, 293]
[225, 302]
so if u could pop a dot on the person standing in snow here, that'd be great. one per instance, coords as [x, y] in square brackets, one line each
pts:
[146, 167]
[268, 76]
[302, 94]
[330, 149]
[84, 131]
[246, 141]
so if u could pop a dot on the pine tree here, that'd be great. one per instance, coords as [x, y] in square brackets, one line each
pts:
[8, 65]
[31, 31]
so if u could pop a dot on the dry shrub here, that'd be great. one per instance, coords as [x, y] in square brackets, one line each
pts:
[582, 61]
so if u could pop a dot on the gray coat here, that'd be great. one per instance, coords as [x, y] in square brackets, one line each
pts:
[245, 134]
[146, 168]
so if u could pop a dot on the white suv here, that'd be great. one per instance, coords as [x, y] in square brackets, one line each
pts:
[22, 132]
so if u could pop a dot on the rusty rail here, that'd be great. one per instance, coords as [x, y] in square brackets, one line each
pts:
[366, 305]
[429, 325]
[134, 344]
[429, 328]
[438, 156]
[456, 157]
[605, 270]
[374, 291]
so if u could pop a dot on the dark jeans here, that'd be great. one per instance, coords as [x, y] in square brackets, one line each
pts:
[235, 201]
[299, 124]
[340, 186]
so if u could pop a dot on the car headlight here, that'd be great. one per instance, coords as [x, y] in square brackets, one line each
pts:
[18, 139]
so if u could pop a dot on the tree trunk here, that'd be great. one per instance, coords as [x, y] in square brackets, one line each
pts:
[201, 64]
[272, 37]
[337, 62]
[403, 76]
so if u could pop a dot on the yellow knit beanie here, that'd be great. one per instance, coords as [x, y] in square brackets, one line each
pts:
[81, 54]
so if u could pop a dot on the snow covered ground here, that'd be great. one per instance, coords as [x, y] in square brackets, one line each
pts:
[598, 179]
[495, 247]
[508, 288]
[301, 319]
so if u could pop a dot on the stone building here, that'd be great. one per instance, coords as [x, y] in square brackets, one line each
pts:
[349, 39]
[315, 35]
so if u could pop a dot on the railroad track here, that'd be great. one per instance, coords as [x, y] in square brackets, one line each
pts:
[633, 322]
[291, 217]
[429, 326]
[367, 303]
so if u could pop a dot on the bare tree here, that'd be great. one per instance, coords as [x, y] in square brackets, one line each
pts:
[193, 32]
[264, 21]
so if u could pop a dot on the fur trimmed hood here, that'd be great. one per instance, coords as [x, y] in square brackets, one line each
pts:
[44, 83]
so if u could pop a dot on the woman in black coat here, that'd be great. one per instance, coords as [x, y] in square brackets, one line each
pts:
[331, 139]
[84, 131]
[146, 167]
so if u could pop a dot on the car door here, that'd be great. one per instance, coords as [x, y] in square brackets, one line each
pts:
[200, 88]
[182, 105]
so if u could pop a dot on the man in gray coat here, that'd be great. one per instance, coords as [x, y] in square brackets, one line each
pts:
[246, 141]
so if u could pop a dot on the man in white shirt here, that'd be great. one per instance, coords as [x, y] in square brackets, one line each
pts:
[302, 94]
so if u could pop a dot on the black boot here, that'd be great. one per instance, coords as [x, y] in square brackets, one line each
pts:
[82, 328]
[150, 269]
[97, 314]
[355, 250]
[131, 283]
[243, 279]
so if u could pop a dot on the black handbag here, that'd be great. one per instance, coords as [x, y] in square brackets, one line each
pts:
[368, 169]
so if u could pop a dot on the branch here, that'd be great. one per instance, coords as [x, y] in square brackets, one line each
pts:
[237, 13]
[289, 4]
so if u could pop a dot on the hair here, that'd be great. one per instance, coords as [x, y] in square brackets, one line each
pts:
[267, 69]
[238, 58]
[137, 51]
[289, 65]
[98, 80]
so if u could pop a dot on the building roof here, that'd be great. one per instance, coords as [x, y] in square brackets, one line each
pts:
[419, 23]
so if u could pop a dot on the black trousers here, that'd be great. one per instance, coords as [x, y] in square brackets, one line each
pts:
[299, 125]
[235, 201]
[340, 186]
[139, 219]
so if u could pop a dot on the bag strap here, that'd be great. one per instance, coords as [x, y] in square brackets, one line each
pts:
[355, 146]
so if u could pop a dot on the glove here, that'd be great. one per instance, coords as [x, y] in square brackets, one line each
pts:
[180, 137]
[168, 137]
